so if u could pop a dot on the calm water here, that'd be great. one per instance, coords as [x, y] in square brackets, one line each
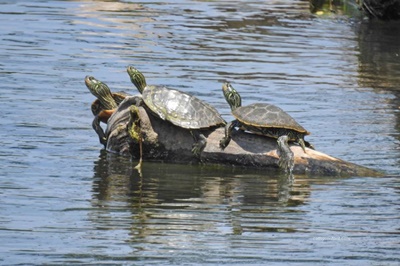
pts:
[65, 201]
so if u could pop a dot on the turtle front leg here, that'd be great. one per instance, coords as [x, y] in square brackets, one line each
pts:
[99, 130]
[286, 156]
[224, 142]
[200, 142]
[135, 132]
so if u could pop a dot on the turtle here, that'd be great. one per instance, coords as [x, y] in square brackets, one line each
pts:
[104, 106]
[261, 118]
[179, 108]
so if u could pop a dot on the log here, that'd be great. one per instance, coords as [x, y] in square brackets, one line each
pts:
[165, 142]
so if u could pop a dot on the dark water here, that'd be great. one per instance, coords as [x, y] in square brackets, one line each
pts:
[64, 201]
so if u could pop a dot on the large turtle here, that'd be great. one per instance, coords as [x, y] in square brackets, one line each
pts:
[179, 108]
[261, 118]
[104, 106]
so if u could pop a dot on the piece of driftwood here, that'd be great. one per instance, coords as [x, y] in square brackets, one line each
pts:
[165, 142]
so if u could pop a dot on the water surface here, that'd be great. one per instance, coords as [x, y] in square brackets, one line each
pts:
[65, 201]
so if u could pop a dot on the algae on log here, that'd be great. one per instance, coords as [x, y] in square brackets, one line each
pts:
[163, 141]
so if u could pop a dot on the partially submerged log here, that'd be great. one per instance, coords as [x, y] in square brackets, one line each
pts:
[165, 142]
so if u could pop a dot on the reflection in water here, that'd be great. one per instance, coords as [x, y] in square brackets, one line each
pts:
[378, 47]
[178, 213]
[168, 197]
[379, 55]
[379, 66]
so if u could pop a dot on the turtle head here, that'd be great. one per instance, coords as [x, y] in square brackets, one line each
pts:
[101, 91]
[231, 96]
[137, 78]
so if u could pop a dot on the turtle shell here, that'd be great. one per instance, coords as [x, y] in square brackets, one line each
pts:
[261, 115]
[180, 108]
[97, 107]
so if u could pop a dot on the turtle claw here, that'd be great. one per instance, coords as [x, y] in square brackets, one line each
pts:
[138, 167]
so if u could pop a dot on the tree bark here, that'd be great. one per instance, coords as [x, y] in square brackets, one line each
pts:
[165, 142]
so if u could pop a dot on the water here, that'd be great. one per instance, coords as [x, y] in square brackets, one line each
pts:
[65, 201]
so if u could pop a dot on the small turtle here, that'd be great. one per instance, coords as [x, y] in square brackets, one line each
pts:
[104, 106]
[261, 118]
[179, 108]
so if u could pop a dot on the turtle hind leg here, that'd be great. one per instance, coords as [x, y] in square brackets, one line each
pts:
[200, 142]
[286, 156]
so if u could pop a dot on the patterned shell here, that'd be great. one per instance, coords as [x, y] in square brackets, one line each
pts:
[181, 109]
[267, 116]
